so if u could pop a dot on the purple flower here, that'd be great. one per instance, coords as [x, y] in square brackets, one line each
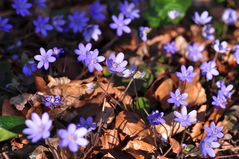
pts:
[220, 47]
[170, 47]
[143, 32]
[45, 58]
[116, 64]
[185, 118]
[156, 118]
[236, 53]
[57, 22]
[128, 9]
[173, 14]
[120, 24]
[28, 68]
[219, 101]
[87, 123]
[177, 98]
[57, 51]
[202, 19]
[92, 60]
[4, 26]
[81, 52]
[15, 57]
[213, 131]
[51, 100]
[91, 32]
[186, 74]
[21, 7]
[40, 3]
[38, 127]
[207, 145]
[208, 32]
[209, 69]
[42, 26]
[73, 137]
[78, 21]
[225, 90]
[129, 71]
[195, 52]
[96, 11]
[229, 16]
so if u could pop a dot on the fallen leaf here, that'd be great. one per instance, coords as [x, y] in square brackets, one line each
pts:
[40, 84]
[140, 145]
[176, 147]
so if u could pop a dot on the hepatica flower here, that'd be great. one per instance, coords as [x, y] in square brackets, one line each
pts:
[185, 118]
[116, 64]
[4, 26]
[40, 3]
[21, 7]
[236, 53]
[186, 74]
[42, 26]
[38, 127]
[209, 69]
[91, 32]
[177, 98]
[219, 101]
[220, 47]
[44, 58]
[225, 90]
[97, 11]
[58, 22]
[207, 145]
[28, 68]
[173, 14]
[51, 100]
[57, 51]
[208, 32]
[170, 47]
[82, 50]
[87, 123]
[120, 24]
[143, 32]
[229, 16]
[202, 19]
[73, 137]
[156, 118]
[213, 131]
[129, 10]
[78, 21]
[195, 52]
[128, 72]
[92, 60]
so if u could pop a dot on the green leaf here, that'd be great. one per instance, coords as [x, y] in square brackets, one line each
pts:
[10, 126]
[141, 103]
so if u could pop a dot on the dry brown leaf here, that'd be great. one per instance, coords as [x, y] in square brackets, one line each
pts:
[138, 154]
[20, 100]
[176, 147]
[8, 109]
[57, 81]
[140, 145]
[131, 124]
[109, 139]
[40, 84]
[181, 45]
[108, 156]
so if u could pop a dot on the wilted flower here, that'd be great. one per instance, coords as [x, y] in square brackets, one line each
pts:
[96, 11]
[73, 137]
[225, 90]
[220, 47]
[38, 127]
[92, 60]
[170, 47]
[4, 26]
[21, 7]
[195, 52]
[91, 32]
[41, 25]
[58, 22]
[116, 64]
[120, 24]
[129, 10]
[202, 19]
[208, 32]
[156, 118]
[177, 98]
[82, 50]
[28, 68]
[143, 32]
[173, 14]
[51, 100]
[87, 123]
[57, 51]
[229, 16]
[209, 69]
[185, 118]
[139, 74]
[219, 101]
[45, 58]
[128, 72]
[186, 74]
[207, 145]
[213, 131]
[40, 3]
[78, 21]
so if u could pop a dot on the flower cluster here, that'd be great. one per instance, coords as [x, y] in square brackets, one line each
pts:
[51, 100]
